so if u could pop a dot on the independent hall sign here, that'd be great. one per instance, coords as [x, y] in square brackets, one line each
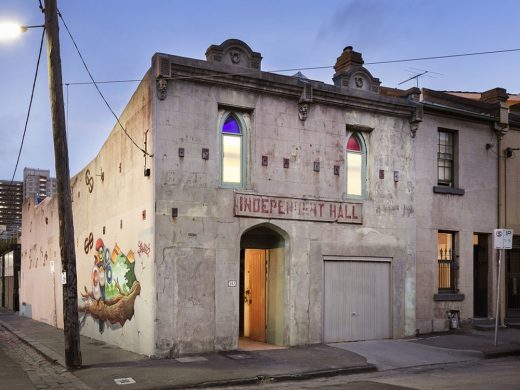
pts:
[265, 206]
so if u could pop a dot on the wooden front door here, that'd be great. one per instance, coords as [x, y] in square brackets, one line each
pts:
[255, 269]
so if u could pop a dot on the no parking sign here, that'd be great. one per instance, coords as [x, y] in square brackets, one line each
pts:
[503, 238]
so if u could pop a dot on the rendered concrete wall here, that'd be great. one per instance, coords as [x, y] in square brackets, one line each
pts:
[41, 296]
[512, 180]
[113, 213]
[473, 212]
[198, 251]
[113, 207]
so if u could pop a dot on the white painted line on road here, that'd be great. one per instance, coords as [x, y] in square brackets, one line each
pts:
[124, 381]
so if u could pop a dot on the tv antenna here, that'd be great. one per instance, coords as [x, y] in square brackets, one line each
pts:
[416, 73]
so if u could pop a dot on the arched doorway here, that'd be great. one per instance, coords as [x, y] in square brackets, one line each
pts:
[262, 285]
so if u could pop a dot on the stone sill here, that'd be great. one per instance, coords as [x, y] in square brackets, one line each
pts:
[448, 296]
[448, 190]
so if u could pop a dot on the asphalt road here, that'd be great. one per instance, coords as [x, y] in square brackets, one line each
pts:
[503, 374]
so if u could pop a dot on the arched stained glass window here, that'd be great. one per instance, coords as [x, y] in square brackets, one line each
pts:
[355, 162]
[232, 151]
[231, 125]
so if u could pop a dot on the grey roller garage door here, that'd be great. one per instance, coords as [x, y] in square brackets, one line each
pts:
[356, 302]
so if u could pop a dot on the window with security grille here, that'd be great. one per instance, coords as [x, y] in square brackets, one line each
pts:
[446, 258]
[445, 158]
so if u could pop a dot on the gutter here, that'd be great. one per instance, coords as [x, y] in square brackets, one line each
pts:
[440, 107]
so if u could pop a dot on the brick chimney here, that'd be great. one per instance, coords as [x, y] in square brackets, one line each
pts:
[494, 95]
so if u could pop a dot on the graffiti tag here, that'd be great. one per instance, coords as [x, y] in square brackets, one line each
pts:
[89, 243]
[89, 181]
[143, 248]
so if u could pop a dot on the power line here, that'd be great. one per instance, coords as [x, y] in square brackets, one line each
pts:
[99, 91]
[245, 73]
[442, 57]
[105, 82]
[30, 105]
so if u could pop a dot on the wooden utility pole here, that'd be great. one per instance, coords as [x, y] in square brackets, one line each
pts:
[61, 156]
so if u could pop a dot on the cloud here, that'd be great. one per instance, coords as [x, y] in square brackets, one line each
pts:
[370, 23]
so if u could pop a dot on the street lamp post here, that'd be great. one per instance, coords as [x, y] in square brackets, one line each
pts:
[61, 157]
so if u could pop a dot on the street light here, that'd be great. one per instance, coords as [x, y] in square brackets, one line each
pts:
[61, 158]
[11, 30]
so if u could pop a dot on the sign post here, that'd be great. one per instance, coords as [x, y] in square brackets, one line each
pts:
[502, 239]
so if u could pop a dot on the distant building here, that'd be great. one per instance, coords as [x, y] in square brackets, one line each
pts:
[10, 207]
[38, 183]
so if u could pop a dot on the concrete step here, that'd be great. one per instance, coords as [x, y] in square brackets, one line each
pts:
[513, 322]
[483, 323]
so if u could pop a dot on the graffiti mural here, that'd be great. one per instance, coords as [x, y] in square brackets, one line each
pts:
[114, 286]
[143, 248]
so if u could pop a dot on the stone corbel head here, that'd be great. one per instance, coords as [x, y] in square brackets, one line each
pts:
[162, 88]
[303, 110]
[501, 129]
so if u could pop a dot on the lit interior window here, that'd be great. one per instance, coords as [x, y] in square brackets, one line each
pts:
[231, 159]
[354, 173]
[354, 162]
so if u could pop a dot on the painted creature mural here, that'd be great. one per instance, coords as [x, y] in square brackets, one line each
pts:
[114, 286]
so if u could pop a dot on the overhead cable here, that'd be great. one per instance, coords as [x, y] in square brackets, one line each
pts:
[99, 91]
[30, 105]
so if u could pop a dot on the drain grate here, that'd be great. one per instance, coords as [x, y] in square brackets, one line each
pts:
[239, 356]
[191, 359]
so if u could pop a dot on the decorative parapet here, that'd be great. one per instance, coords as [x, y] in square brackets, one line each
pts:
[350, 72]
[234, 52]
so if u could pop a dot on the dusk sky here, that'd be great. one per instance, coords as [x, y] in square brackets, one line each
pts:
[119, 37]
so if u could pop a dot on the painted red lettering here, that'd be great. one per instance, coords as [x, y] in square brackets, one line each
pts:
[321, 209]
[332, 211]
[264, 206]
[280, 208]
[313, 209]
[256, 205]
[273, 205]
[247, 204]
[354, 216]
[340, 212]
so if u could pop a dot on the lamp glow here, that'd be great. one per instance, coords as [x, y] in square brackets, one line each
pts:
[10, 30]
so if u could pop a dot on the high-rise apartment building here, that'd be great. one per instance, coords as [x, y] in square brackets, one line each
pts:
[38, 182]
[10, 207]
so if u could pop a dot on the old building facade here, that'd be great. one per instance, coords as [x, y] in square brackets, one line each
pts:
[233, 204]
[267, 202]
[312, 182]
[456, 204]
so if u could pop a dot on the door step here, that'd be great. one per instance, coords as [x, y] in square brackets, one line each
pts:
[483, 323]
[513, 322]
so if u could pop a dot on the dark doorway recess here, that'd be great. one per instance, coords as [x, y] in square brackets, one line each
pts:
[480, 275]
[513, 279]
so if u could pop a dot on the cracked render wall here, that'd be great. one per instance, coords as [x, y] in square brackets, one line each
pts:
[198, 250]
[464, 215]
[113, 209]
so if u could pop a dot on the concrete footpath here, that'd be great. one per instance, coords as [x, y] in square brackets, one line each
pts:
[459, 345]
[104, 364]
